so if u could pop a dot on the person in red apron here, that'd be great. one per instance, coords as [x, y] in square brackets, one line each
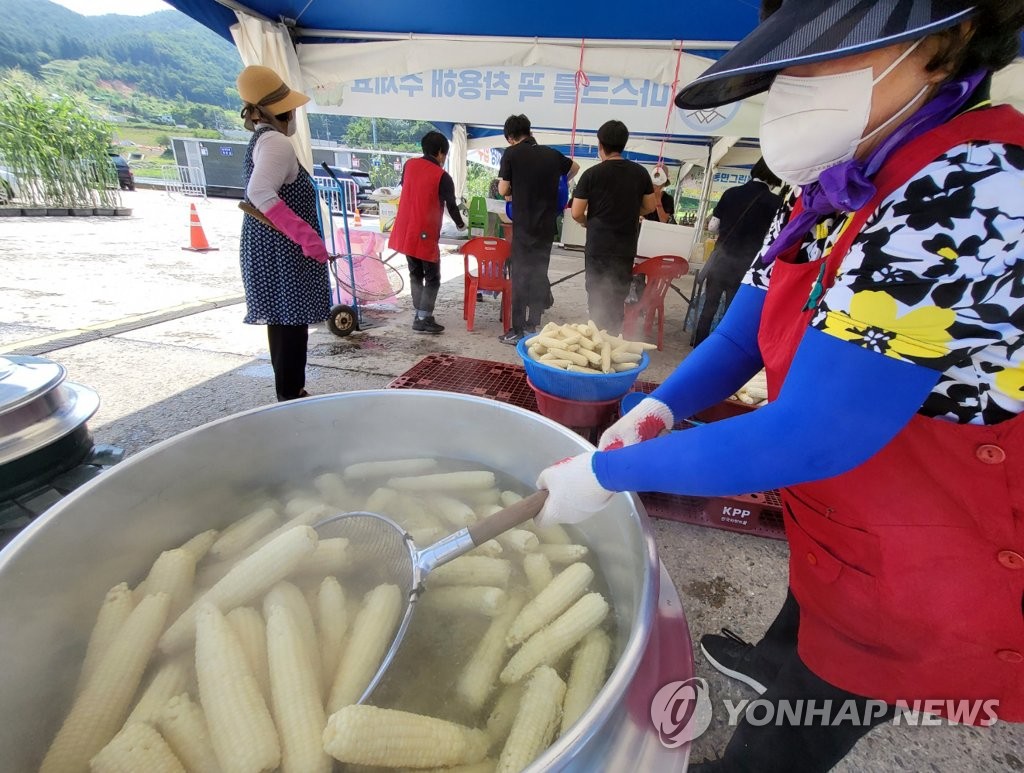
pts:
[426, 190]
[887, 308]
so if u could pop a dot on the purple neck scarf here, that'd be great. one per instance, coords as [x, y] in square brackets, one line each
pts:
[848, 186]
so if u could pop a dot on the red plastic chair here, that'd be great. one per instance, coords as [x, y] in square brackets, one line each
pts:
[660, 272]
[491, 255]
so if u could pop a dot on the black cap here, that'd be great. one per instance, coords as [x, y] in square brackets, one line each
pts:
[805, 31]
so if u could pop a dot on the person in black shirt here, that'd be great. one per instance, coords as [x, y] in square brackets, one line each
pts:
[529, 174]
[741, 219]
[609, 201]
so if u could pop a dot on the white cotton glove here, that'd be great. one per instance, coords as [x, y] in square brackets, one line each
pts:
[573, 491]
[647, 420]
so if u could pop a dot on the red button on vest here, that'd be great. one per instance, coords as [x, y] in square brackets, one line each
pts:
[991, 454]
[812, 559]
[1010, 656]
[1011, 559]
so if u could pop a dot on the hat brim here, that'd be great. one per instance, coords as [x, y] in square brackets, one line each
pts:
[802, 33]
[293, 100]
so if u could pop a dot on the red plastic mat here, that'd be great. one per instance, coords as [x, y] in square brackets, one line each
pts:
[758, 514]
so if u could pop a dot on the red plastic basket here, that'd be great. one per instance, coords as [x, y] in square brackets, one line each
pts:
[587, 418]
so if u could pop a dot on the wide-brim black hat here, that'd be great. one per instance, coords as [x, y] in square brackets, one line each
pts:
[806, 31]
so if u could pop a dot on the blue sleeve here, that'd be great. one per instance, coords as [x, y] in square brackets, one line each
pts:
[722, 363]
[840, 404]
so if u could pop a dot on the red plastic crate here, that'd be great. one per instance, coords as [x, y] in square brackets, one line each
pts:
[758, 514]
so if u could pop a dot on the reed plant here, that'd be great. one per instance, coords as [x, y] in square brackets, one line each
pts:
[55, 148]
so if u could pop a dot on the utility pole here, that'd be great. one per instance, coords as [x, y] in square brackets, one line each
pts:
[373, 127]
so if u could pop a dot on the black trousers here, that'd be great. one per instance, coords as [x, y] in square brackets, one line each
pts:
[288, 356]
[528, 265]
[424, 282]
[722, 278]
[608, 279]
[796, 747]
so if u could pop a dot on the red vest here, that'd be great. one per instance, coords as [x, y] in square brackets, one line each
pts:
[418, 223]
[909, 569]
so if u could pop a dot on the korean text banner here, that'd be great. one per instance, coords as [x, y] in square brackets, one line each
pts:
[486, 96]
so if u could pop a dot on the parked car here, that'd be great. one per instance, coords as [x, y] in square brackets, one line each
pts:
[362, 181]
[8, 186]
[125, 178]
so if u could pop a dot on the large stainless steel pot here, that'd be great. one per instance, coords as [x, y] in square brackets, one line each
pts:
[54, 575]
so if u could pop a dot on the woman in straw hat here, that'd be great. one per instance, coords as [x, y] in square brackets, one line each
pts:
[284, 267]
[887, 307]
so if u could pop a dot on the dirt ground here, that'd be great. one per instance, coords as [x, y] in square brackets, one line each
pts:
[157, 331]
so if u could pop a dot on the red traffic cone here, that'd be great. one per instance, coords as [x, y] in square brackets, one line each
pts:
[197, 238]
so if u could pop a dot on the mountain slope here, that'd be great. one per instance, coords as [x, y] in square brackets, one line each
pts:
[166, 54]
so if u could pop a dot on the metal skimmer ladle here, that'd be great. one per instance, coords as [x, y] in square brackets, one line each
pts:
[389, 550]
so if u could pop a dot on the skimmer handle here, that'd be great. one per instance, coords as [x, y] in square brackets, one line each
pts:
[509, 518]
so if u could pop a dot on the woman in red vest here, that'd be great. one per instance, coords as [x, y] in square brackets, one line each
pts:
[426, 190]
[887, 307]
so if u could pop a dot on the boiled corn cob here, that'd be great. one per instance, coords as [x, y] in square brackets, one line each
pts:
[295, 688]
[534, 726]
[587, 676]
[368, 735]
[503, 713]
[332, 618]
[567, 586]
[309, 517]
[473, 570]
[372, 634]
[480, 676]
[554, 640]
[117, 606]
[183, 726]
[247, 623]
[452, 511]
[483, 498]
[331, 556]
[469, 480]
[99, 711]
[173, 573]
[509, 498]
[169, 680]
[465, 599]
[491, 548]
[382, 501]
[563, 554]
[301, 502]
[244, 532]
[519, 541]
[241, 730]
[200, 544]
[287, 595]
[484, 766]
[334, 491]
[554, 535]
[249, 578]
[538, 571]
[138, 747]
[390, 469]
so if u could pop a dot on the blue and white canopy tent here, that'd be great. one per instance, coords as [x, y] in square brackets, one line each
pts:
[471, 64]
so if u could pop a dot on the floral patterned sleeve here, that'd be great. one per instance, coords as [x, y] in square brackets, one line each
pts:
[936, 278]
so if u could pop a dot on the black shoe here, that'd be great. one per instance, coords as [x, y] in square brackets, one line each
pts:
[511, 338]
[479, 296]
[531, 329]
[737, 659]
[426, 325]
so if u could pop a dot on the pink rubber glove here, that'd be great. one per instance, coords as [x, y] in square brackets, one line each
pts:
[299, 231]
[573, 491]
[647, 420]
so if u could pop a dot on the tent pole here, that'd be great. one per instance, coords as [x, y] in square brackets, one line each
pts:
[702, 208]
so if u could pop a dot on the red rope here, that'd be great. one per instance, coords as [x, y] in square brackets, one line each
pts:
[582, 81]
[671, 103]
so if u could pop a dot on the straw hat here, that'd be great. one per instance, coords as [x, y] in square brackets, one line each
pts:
[806, 31]
[263, 88]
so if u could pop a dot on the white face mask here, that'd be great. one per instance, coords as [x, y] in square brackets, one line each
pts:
[812, 123]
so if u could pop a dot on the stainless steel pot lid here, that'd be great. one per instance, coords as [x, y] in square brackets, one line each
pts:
[24, 379]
